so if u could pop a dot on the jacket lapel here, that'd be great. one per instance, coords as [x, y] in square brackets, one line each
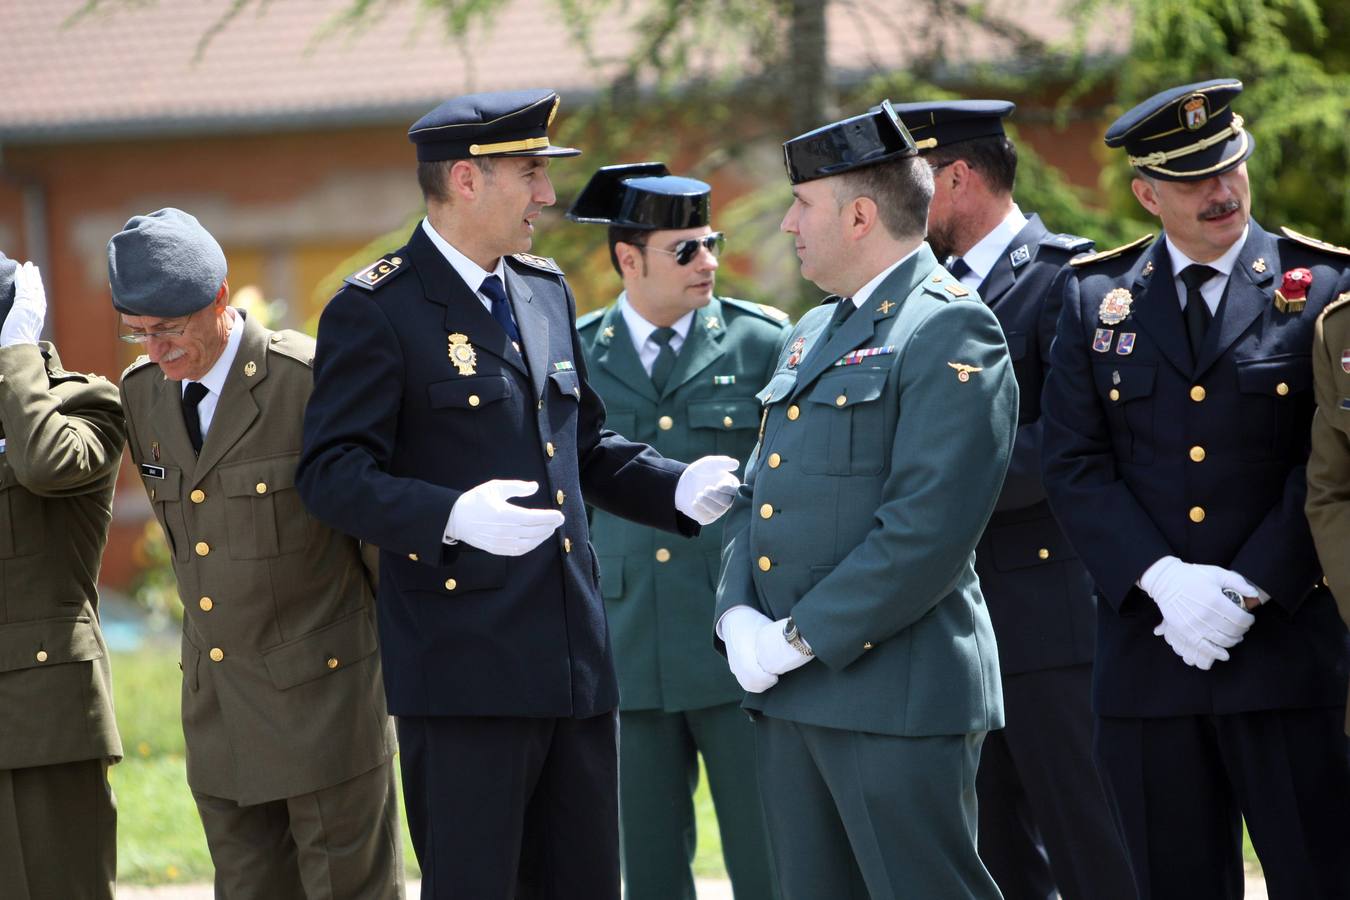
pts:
[1157, 308]
[618, 357]
[1004, 274]
[702, 346]
[1248, 295]
[170, 431]
[236, 408]
[533, 325]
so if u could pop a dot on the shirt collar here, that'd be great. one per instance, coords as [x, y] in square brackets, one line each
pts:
[472, 273]
[214, 379]
[862, 294]
[1223, 265]
[985, 254]
[641, 329]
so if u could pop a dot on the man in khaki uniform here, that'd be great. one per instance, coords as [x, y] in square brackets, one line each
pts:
[1329, 466]
[61, 438]
[288, 741]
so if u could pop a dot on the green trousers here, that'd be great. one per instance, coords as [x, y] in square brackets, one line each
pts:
[58, 832]
[658, 773]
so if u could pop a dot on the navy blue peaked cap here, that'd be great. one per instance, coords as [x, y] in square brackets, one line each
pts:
[500, 123]
[1186, 133]
[875, 136]
[643, 195]
[943, 122]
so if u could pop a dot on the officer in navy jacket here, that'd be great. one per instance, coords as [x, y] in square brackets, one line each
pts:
[1039, 594]
[1177, 428]
[449, 380]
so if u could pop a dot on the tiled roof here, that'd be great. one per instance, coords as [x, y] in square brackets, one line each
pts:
[132, 69]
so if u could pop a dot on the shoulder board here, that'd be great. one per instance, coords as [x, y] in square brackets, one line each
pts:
[137, 364]
[294, 344]
[590, 318]
[945, 287]
[538, 262]
[377, 274]
[1070, 243]
[762, 310]
[1090, 258]
[1341, 302]
[1313, 242]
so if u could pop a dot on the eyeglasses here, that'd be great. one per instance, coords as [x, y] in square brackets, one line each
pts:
[686, 250]
[940, 166]
[143, 337]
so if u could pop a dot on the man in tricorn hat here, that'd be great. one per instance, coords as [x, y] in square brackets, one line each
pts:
[848, 606]
[678, 368]
[449, 382]
[1177, 419]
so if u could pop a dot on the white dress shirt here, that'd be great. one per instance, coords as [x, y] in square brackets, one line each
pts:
[986, 253]
[861, 295]
[641, 332]
[1213, 289]
[214, 379]
[472, 273]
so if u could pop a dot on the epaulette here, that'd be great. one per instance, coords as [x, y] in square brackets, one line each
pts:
[762, 310]
[1341, 302]
[538, 262]
[377, 274]
[590, 318]
[294, 344]
[137, 364]
[1070, 243]
[1088, 259]
[947, 287]
[1305, 240]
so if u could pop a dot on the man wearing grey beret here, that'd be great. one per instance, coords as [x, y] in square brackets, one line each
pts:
[288, 741]
[61, 436]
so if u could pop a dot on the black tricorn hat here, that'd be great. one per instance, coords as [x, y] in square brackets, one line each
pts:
[875, 136]
[643, 195]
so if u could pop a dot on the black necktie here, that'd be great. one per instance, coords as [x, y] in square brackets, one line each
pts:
[193, 395]
[959, 268]
[1198, 315]
[501, 309]
[665, 360]
[842, 310]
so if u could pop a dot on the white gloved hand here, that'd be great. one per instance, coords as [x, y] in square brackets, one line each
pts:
[23, 325]
[483, 518]
[772, 651]
[1201, 655]
[740, 628]
[1194, 607]
[707, 487]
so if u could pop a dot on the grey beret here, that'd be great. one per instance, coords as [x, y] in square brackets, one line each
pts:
[7, 269]
[164, 265]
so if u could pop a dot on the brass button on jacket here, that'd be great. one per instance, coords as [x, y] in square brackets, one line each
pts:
[261, 487]
[1197, 453]
[765, 564]
[333, 662]
[662, 555]
[1282, 389]
[41, 656]
[793, 412]
[1197, 393]
[451, 584]
[198, 496]
[206, 604]
[548, 448]
[217, 654]
[766, 511]
[1197, 514]
[665, 423]
[1113, 394]
[202, 548]
[1043, 553]
[775, 460]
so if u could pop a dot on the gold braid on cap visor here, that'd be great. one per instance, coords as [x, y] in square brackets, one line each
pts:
[1155, 160]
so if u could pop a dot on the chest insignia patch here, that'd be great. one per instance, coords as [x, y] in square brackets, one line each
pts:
[1125, 346]
[724, 379]
[564, 366]
[154, 450]
[462, 354]
[1345, 360]
[854, 357]
[608, 332]
[1115, 306]
[1020, 257]
[1101, 340]
[964, 371]
[250, 369]
[795, 352]
[1148, 269]
[711, 323]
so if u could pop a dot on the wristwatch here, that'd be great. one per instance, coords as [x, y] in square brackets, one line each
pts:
[795, 639]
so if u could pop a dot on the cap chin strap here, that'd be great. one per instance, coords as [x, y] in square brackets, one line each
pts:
[508, 146]
[1154, 160]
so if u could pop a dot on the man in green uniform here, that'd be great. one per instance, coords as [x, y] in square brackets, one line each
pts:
[848, 602]
[289, 746]
[678, 369]
[61, 437]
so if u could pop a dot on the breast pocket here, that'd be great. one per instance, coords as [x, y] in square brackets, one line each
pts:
[1127, 394]
[845, 424]
[22, 517]
[728, 425]
[1276, 397]
[468, 393]
[262, 507]
[166, 499]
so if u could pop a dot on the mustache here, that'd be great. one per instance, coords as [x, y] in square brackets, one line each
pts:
[1220, 209]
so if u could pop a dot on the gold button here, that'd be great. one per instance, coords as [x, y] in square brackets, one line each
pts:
[1197, 393]
[216, 654]
[1197, 514]
[332, 662]
[548, 448]
[42, 656]
[1197, 454]
[727, 422]
[775, 460]
[766, 511]
[1043, 553]
[541, 403]
[840, 400]
[261, 487]
[1114, 394]
[567, 545]
[451, 584]
[867, 645]
[1281, 388]
[473, 400]
[206, 603]
[662, 555]
[560, 498]
[198, 496]
[793, 412]
[412, 556]
[665, 423]
[765, 564]
[203, 548]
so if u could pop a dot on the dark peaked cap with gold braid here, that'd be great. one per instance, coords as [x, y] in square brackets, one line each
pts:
[501, 123]
[1186, 133]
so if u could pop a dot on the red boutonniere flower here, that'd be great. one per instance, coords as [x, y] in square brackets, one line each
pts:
[1296, 284]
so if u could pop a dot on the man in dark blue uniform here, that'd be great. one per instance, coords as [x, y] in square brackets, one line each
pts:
[1177, 423]
[1044, 823]
[449, 380]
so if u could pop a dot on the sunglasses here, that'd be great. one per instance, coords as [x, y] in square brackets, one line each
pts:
[686, 250]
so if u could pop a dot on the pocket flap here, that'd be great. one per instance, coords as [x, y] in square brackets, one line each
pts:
[329, 649]
[611, 577]
[1024, 545]
[567, 383]
[1130, 382]
[468, 393]
[1264, 376]
[724, 414]
[846, 389]
[259, 477]
[47, 642]
[472, 570]
[170, 487]
[778, 387]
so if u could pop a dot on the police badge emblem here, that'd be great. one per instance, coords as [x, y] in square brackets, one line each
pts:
[1195, 112]
[462, 354]
[1115, 306]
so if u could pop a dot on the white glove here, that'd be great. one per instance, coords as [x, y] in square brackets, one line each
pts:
[772, 651]
[740, 628]
[1194, 607]
[23, 325]
[1202, 655]
[707, 487]
[482, 518]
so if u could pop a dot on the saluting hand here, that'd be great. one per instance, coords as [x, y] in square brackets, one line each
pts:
[23, 325]
[707, 487]
[483, 518]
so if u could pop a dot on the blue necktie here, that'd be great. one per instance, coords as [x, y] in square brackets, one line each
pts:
[959, 268]
[501, 308]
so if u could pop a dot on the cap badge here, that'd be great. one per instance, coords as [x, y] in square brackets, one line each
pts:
[1195, 112]
[462, 354]
[1292, 294]
[1115, 306]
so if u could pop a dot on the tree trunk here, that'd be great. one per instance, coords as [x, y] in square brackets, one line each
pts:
[807, 69]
